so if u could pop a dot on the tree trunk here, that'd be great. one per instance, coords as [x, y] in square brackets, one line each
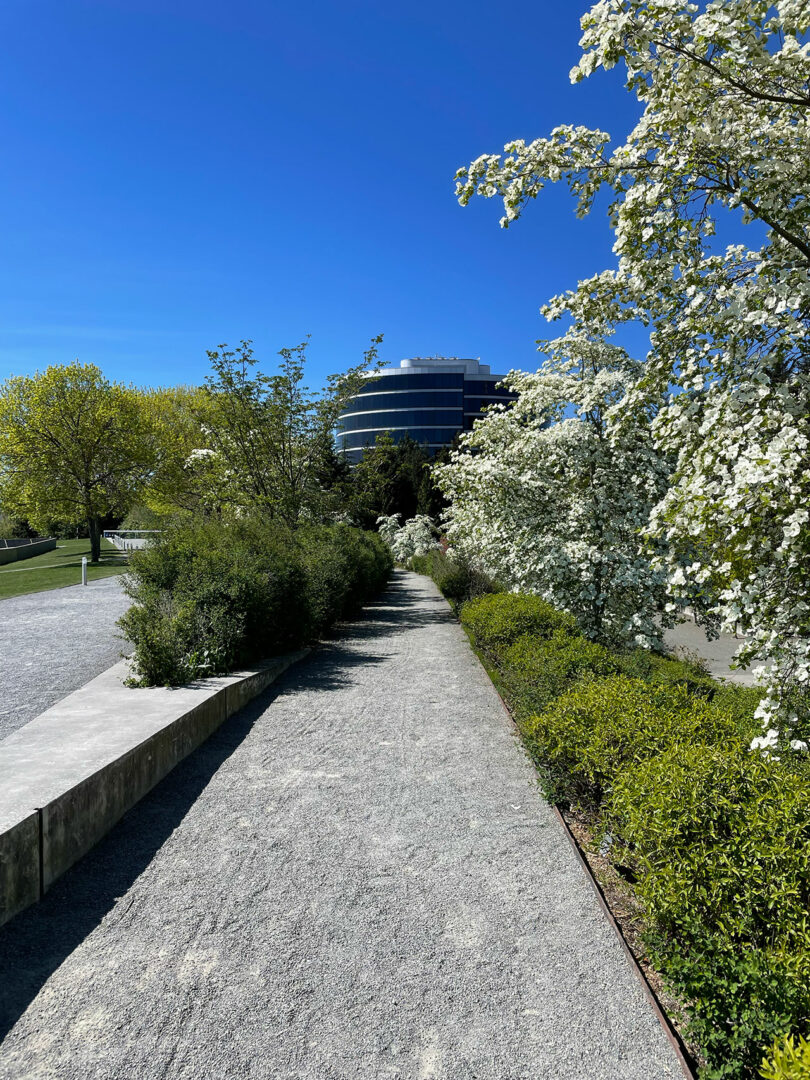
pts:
[95, 539]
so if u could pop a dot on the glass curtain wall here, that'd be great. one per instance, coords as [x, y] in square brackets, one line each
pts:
[429, 399]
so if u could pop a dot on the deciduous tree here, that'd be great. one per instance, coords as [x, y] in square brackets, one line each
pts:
[73, 446]
[265, 438]
[551, 493]
[724, 92]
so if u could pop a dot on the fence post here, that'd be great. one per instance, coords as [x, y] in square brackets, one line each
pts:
[84, 569]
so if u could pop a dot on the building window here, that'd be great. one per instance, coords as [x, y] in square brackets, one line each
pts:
[431, 400]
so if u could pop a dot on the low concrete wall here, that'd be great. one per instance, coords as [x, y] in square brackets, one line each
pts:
[69, 775]
[14, 550]
[19, 864]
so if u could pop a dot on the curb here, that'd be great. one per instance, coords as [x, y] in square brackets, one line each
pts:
[68, 776]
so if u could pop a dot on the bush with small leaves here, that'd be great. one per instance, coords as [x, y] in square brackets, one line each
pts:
[600, 726]
[458, 579]
[655, 668]
[344, 567]
[533, 671]
[498, 620]
[210, 597]
[719, 839]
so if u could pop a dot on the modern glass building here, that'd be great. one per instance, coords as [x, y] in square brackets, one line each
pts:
[431, 399]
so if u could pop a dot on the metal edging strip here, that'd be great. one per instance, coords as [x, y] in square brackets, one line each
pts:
[674, 1038]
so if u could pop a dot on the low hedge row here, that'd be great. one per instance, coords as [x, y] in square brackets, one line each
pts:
[716, 837]
[210, 598]
[458, 580]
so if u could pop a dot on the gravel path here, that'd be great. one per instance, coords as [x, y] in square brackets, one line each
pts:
[356, 877]
[53, 642]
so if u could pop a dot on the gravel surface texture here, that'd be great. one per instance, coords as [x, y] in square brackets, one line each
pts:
[356, 877]
[53, 642]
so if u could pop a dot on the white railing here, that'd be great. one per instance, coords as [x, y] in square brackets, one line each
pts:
[130, 539]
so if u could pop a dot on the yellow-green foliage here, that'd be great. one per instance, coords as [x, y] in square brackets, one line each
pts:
[534, 670]
[652, 667]
[789, 1059]
[741, 828]
[600, 726]
[73, 446]
[499, 619]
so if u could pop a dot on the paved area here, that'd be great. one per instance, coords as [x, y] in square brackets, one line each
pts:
[687, 638]
[356, 877]
[53, 642]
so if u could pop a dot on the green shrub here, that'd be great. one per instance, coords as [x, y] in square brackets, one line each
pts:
[344, 567]
[788, 1059]
[498, 620]
[209, 598]
[212, 597]
[458, 580]
[739, 702]
[600, 726]
[534, 670]
[655, 668]
[720, 841]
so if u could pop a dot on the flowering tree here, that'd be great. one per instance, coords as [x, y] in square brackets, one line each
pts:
[550, 494]
[725, 127]
[415, 537]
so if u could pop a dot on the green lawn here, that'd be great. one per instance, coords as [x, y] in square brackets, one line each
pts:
[58, 568]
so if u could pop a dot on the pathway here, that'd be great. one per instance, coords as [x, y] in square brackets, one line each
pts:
[53, 642]
[356, 877]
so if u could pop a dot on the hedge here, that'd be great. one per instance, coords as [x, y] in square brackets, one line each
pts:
[458, 579]
[715, 837]
[209, 597]
[499, 619]
[720, 840]
[600, 726]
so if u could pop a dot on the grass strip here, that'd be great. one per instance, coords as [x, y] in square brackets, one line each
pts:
[59, 568]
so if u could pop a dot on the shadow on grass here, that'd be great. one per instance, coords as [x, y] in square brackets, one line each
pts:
[35, 943]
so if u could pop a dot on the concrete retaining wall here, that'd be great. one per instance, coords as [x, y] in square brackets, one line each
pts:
[14, 550]
[69, 775]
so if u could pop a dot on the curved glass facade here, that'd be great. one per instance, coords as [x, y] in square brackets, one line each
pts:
[409, 399]
[433, 436]
[429, 400]
[407, 418]
[419, 380]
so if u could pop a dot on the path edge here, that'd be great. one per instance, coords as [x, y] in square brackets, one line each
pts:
[43, 843]
[673, 1037]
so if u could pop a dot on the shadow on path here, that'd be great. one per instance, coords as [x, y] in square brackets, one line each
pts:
[36, 942]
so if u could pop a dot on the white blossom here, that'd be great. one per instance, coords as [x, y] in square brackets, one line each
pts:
[549, 495]
[724, 131]
[417, 536]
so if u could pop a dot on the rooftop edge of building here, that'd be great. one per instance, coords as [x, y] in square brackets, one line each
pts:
[421, 365]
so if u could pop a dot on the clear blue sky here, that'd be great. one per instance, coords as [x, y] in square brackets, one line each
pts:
[179, 173]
